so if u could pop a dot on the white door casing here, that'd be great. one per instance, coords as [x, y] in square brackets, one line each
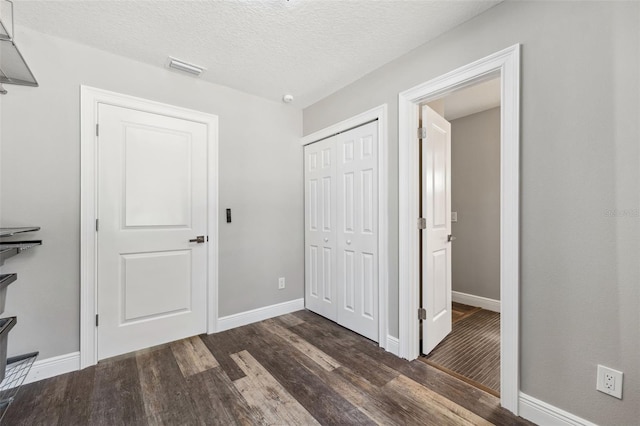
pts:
[152, 192]
[506, 64]
[357, 229]
[320, 227]
[436, 247]
[91, 98]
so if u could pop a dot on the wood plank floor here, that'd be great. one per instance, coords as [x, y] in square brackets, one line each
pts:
[297, 369]
[472, 351]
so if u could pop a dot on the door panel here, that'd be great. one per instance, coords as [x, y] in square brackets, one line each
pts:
[152, 199]
[327, 203]
[357, 241]
[436, 248]
[368, 276]
[368, 198]
[347, 195]
[167, 275]
[349, 297]
[156, 193]
[320, 218]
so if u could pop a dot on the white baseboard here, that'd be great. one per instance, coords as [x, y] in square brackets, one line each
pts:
[259, 314]
[54, 366]
[480, 302]
[542, 413]
[393, 345]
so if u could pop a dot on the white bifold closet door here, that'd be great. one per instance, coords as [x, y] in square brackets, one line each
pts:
[341, 229]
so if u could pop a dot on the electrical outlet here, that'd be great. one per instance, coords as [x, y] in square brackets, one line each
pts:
[280, 283]
[609, 381]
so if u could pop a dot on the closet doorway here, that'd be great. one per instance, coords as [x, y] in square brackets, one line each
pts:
[345, 224]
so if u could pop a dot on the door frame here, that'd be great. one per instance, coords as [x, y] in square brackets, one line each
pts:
[90, 98]
[378, 113]
[506, 65]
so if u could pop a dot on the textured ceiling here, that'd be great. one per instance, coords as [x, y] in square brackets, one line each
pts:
[309, 48]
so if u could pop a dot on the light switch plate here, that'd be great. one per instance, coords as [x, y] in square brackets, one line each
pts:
[454, 216]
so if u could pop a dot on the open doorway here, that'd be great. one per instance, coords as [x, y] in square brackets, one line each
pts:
[461, 267]
[506, 65]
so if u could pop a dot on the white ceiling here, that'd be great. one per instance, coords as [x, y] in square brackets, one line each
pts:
[309, 48]
[472, 99]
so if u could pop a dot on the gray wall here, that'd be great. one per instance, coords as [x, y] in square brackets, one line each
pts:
[260, 178]
[475, 196]
[580, 186]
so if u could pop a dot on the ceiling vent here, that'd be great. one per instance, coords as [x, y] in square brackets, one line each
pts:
[183, 66]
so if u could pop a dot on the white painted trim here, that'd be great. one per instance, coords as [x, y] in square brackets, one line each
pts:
[478, 301]
[378, 113]
[505, 64]
[259, 314]
[90, 98]
[54, 366]
[351, 122]
[542, 413]
[392, 345]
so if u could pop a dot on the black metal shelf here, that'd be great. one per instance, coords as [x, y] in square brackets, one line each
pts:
[10, 249]
[6, 279]
[17, 369]
[7, 232]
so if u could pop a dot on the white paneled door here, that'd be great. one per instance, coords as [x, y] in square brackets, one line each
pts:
[320, 228]
[357, 230]
[436, 244]
[152, 207]
[341, 229]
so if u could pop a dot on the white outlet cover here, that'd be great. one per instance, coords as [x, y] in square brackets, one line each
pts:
[605, 386]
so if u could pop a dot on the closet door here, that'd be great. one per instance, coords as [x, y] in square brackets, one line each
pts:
[357, 229]
[320, 228]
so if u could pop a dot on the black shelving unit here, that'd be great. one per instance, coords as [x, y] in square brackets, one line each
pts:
[13, 248]
[9, 232]
[17, 367]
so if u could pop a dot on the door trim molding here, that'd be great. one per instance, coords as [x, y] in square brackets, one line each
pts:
[506, 64]
[90, 98]
[378, 113]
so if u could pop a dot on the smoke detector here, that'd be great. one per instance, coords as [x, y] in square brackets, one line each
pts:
[287, 99]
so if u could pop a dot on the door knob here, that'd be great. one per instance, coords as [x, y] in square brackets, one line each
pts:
[450, 238]
[326, 240]
[199, 239]
[348, 241]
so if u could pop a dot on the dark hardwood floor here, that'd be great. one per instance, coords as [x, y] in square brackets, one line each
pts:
[472, 351]
[297, 369]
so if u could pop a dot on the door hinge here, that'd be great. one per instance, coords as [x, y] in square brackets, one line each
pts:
[422, 223]
[422, 133]
[97, 129]
[97, 225]
[96, 320]
[422, 314]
